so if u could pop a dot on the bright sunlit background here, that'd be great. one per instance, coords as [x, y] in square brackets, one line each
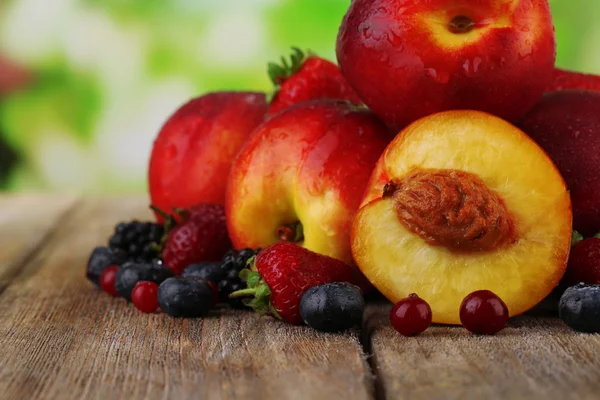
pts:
[88, 83]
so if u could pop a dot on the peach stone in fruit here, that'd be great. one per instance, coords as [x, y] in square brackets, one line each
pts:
[463, 201]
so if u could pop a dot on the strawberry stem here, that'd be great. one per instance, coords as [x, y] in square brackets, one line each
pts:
[160, 212]
[258, 292]
[243, 293]
[576, 238]
[280, 71]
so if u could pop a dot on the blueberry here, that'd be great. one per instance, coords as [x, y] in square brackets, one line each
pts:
[210, 271]
[101, 258]
[185, 297]
[333, 307]
[579, 308]
[131, 273]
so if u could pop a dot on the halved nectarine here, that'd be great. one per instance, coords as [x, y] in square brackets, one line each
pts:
[463, 201]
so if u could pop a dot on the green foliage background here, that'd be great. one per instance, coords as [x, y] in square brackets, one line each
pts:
[109, 72]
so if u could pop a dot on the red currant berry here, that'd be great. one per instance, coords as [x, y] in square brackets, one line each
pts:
[145, 296]
[215, 292]
[411, 316]
[484, 313]
[107, 280]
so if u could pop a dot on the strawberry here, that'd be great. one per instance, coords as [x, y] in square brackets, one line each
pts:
[564, 79]
[200, 234]
[307, 77]
[280, 274]
[584, 263]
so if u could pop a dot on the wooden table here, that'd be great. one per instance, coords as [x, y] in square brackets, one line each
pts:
[62, 339]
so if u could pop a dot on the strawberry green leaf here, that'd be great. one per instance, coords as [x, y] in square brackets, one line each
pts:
[287, 67]
[576, 238]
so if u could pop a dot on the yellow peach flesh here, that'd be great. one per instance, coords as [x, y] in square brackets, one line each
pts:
[399, 262]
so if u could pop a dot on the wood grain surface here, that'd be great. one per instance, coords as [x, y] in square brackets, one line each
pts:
[534, 358]
[62, 339]
[26, 221]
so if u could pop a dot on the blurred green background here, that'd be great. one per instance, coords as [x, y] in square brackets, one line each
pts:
[88, 83]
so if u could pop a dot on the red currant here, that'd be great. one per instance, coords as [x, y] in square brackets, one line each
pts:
[145, 296]
[107, 280]
[411, 316]
[482, 312]
[215, 292]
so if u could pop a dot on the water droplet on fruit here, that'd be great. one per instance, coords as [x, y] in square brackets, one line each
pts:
[576, 134]
[438, 76]
[525, 29]
[476, 63]
[469, 68]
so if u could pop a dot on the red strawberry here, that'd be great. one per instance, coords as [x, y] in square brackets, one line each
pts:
[584, 263]
[196, 146]
[201, 235]
[307, 77]
[281, 273]
[573, 80]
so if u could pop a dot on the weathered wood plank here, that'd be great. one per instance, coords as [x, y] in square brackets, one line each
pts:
[26, 221]
[534, 358]
[62, 339]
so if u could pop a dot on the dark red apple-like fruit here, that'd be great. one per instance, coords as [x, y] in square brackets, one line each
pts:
[566, 124]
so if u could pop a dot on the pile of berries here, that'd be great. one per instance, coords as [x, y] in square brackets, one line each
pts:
[131, 267]
[297, 285]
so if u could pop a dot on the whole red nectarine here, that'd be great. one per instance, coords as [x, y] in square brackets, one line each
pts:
[301, 176]
[408, 59]
[194, 150]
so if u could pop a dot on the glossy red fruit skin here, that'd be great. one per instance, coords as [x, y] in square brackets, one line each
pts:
[193, 152]
[566, 124]
[584, 263]
[215, 292]
[201, 237]
[564, 80]
[289, 270]
[328, 146]
[317, 79]
[393, 62]
[483, 313]
[411, 316]
[145, 296]
[107, 280]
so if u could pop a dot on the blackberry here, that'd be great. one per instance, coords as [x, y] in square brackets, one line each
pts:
[137, 239]
[233, 262]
